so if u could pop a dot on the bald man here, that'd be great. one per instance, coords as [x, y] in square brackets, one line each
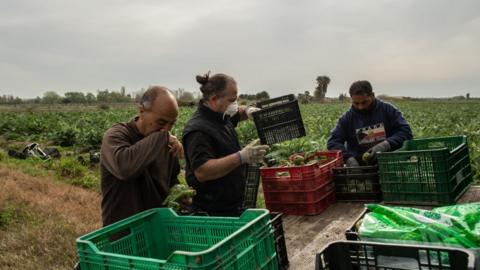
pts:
[139, 159]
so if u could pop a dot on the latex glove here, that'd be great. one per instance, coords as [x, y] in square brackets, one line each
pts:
[371, 155]
[253, 153]
[352, 162]
[250, 110]
[176, 147]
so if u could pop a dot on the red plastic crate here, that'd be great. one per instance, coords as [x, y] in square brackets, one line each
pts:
[303, 209]
[333, 159]
[296, 185]
[302, 196]
[301, 178]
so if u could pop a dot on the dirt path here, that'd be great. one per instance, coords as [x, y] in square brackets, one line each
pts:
[43, 217]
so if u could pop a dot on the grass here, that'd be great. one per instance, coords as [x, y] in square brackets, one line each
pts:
[8, 214]
[66, 169]
[40, 220]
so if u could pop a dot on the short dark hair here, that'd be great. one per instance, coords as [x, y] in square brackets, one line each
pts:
[151, 94]
[213, 85]
[361, 88]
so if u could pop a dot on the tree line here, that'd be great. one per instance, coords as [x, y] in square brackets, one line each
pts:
[111, 96]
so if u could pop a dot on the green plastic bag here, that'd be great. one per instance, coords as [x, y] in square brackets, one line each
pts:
[457, 225]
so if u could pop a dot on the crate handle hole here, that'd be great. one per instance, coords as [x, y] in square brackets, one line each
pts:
[283, 174]
[394, 262]
[119, 235]
[433, 145]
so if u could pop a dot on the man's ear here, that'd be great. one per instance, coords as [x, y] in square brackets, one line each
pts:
[213, 100]
[373, 94]
[141, 111]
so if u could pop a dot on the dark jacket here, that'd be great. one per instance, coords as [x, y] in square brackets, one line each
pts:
[222, 196]
[357, 131]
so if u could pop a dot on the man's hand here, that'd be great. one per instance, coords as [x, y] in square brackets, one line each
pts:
[371, 157]
[352, 162]
[179, 197]
[253, 153]
[176, 147]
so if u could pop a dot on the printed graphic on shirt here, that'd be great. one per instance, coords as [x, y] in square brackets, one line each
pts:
[371, 134]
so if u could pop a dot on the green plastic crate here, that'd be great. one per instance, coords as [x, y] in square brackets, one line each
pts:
[160, 239]
[432, 171]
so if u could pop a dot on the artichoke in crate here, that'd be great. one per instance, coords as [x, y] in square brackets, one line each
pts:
[179, 196]
[297, 159]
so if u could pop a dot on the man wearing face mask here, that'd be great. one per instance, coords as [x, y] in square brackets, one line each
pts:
[215, 162]
[369, 126]
[139, 159]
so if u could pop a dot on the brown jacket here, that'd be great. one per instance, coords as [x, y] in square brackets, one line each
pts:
[136, 171]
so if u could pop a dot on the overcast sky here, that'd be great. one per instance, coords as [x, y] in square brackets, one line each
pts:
[404, 47]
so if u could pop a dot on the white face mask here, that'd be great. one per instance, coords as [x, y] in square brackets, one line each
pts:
[231, 110]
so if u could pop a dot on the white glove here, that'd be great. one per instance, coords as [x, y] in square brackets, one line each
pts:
[253, 153]
[352, 162]
[251, 110]
[372, 152]
[380, 147]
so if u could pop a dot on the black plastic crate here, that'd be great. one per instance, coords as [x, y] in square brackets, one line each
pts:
[349, 255]
[357, 184]
[279, 120]
[265, 104]
[352, 233]
[279, 237]
[252, 174]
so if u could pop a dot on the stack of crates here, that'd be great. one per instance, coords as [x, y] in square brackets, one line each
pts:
[279, 237]
[432, 171]
[301, 190]
[160, 239]
[252, 181]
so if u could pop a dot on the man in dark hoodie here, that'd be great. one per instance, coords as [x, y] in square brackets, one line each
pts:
[370, 125]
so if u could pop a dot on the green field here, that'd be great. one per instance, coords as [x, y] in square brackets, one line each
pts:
[82, 129]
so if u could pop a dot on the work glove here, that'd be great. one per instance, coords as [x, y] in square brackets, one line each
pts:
[352, 162]
[253, 153]
[250, 110]
[370, 157]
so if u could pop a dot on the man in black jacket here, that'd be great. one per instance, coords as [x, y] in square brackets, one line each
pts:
[215, 162]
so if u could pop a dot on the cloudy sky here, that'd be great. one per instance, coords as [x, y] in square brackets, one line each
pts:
[404, 47]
